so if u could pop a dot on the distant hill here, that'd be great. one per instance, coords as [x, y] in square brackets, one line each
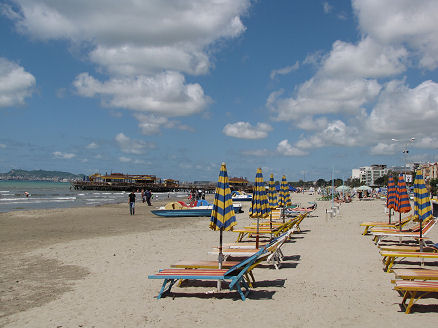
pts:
[39, 174]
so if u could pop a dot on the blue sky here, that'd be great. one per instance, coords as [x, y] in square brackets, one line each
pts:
[174, 88]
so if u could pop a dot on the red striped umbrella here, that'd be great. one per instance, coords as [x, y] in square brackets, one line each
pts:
[402, 203]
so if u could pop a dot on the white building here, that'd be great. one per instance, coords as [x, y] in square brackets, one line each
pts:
[369, 174]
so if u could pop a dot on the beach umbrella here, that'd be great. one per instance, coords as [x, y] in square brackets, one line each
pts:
[390, 196]
[272, 193]
[272, 198]
[402, 203]
[363, 188]
[284, 198]
[343, 189]
[422, 210]
[222, 214]
[259, 205]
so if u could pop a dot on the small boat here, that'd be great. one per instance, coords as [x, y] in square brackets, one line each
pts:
[181, 209]
[241, 196]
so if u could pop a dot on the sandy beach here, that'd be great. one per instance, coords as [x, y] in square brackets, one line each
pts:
[88, 267]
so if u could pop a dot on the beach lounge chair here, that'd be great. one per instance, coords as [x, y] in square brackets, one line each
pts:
[274, 249]
[392, 256]
[369, 224]
[414, 290]
[235, 275]
[406, 228]
[416, 274]
[380, 236]
[402, 248]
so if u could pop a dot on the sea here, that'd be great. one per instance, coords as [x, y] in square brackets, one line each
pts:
[18, 195]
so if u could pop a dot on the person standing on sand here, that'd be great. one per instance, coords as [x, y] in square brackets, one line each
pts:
[148, 197]
[143, 196]
[132, 203]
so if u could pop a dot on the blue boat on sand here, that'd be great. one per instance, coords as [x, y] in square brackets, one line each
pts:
[181, 209]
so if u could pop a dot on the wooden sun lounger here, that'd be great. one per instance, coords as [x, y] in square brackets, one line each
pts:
[400, 248]
[235, 275]
[416, 274]
[414, 290]
[369, 224]
[392, 256]
[380, 236]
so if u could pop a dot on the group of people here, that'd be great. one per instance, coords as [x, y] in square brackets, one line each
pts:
[196, 195]
[145, 196]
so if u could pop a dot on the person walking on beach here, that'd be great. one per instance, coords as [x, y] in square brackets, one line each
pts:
[148, 195]
[143, 196]
[132, 203]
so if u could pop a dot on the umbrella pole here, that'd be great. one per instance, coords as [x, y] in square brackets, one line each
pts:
[257, 237]
[270, 223]
[399, 221]
[389, 216]
[220, 259]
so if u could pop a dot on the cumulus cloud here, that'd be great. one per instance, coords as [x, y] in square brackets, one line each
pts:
[124, 159]
[61, 155]
[92, 145]
[327, 7]
[15, 84]
[144, 46]
[324, 96]
[165, 93]
[257, 152]
[285, 148]
[284, 70]
[402, 22]
[401, 110]
[367, 59]
[384, 149]
[245, 130]
[129, 146]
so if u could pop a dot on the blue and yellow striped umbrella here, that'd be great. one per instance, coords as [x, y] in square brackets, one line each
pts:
[259, 204]
[272, 193]
[284, 199]
[390, 196]
[422, 210]
[222, 215]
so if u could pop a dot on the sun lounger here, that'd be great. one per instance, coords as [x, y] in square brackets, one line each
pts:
[412, 228]
[369, 224]
[414, 290]
[392, 256]
[416, 274]
[235, 275]
[380, 236]
[400, 248]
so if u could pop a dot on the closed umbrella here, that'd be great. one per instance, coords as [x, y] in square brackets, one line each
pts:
[222, 214]
[284, 199]
[390, 196]
[422, 210]
[259, 205]
[272, 197]
[402, 203]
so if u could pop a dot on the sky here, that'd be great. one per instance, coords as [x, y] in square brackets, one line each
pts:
[174, 88]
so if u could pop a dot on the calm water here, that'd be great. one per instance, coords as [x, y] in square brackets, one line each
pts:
[44, 195]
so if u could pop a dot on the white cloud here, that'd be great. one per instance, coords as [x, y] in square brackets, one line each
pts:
[2, 146]
[257, 152]
[124, 159]
[245, 130]
[129, 146]
[152, 124]
[327, 7]
[427, 142]
[61, 155]
[165, 93]
[92, 145]
[286, 149]
[367, 59]
[15, 84]
[284, 70]
[384, 149]
[402, 22]
[402, 111]
[324, 96]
